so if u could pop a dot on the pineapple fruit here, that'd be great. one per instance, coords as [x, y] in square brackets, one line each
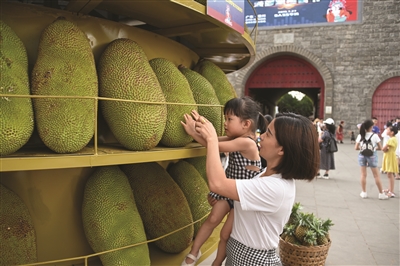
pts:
[306, 229]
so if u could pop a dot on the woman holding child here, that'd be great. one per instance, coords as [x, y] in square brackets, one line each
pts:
[263, 204]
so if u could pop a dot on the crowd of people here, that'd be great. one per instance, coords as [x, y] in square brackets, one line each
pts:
[388, 142]
[265, 155]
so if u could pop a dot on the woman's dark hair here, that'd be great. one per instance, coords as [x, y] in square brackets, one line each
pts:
[364, 127]
[299, 139]
[330, 128]
[246, 108]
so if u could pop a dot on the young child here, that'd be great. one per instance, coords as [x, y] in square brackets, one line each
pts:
[352, 137]
[242, 119]
[389, 162]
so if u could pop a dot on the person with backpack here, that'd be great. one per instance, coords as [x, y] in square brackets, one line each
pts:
[367, 142]
[327, 158]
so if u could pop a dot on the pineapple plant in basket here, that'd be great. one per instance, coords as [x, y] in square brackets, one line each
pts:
[304, 235]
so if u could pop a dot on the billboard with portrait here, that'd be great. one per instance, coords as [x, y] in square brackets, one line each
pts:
[290, 13]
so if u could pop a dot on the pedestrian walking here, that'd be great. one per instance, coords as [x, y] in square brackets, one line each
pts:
[371, 161]
[340, 132]
[327, 161]
[352, 137]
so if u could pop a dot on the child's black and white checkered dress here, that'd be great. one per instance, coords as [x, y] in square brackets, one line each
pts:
[237, 170]
[238, 254]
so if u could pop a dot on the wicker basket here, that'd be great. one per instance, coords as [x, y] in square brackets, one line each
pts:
[294, 255]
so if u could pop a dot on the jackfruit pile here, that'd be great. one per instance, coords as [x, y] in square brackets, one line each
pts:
[200, 164]
[204, 93]
[194, 188]
[111, 219]
[223, 88]
[65, 66]
[16, 114]
[17, 234]
[176, 89]
[144, 101]
[162, 206]
[138, 203]
[125, 73]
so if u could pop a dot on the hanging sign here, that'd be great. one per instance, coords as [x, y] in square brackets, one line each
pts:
[230, 12]
[289, 13]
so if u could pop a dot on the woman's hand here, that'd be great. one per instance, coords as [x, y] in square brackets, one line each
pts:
[206, 129]
[195, 115]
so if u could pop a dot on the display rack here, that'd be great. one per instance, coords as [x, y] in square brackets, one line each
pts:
[51, 184]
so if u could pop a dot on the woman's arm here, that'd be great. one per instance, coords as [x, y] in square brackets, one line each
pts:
[217, 180]
[357, 146]
[385, 148]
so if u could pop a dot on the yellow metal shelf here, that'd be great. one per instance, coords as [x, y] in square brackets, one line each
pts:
[43, 159]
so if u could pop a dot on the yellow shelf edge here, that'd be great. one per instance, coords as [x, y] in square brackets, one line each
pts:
[117, 157]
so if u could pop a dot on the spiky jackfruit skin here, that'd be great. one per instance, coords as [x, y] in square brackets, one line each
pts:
[111, 219]
[203, 93]
[162, 206]
[17, 234]
[194, 188]
[125, 73]
[65, 66]
[16, 114]
[176, 89]
[200, 164]
[214, 74]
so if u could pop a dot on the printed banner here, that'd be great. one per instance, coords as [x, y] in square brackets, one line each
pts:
[280, 13]
[230, 12]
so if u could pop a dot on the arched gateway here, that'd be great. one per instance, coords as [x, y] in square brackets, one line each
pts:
[278, 70]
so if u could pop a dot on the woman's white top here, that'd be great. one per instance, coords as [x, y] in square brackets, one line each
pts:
[374, 140]
[263, 210]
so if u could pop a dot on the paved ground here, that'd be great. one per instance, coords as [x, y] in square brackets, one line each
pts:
[366, 231]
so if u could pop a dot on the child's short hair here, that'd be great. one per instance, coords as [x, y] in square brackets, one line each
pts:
[394, 129]
[246, 108]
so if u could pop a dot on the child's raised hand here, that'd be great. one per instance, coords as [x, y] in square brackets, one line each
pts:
[206, 129]
[189, 125]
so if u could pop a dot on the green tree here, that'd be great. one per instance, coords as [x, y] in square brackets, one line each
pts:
[288, 103]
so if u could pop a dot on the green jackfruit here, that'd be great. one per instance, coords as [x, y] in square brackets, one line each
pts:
[203, 93]
[194, 188]
[16, 114]
[162, 206]
[125, 73]
[111, 219]
[200, 164]
[176, 90]
[17, 234]
[65, 67]
[214, 74]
